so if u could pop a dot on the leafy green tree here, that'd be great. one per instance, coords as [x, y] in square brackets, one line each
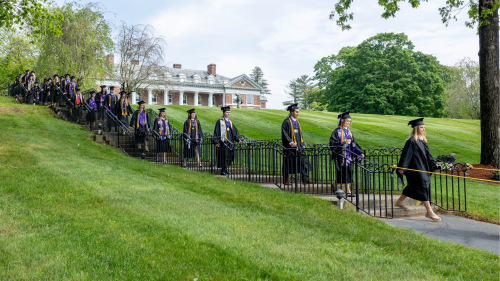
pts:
[462, 94]
[298, 90]
[483, 14]
[383, 75]
[82, 47]
[27, 14]
[257, 75]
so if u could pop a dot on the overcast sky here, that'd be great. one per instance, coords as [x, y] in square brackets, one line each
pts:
[284, 38]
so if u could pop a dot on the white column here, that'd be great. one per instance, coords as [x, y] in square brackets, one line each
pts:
[165, 97]
[134, 97]
[195, 98]
[210, 99]
[223, 99]
[150, 96]
[181, 98]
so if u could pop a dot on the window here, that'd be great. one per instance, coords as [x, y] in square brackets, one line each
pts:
[137, 97]
[170, 99]
[199, 99]
[154, 98]
[184, 99]
[242, 83]
[235, 99]
[249, 99]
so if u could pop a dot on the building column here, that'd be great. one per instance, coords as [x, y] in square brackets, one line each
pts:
[150, 96]
[165, 97]
[181, 98]
[210, 99]
[223, 99]
[195, 98]
[134, 97]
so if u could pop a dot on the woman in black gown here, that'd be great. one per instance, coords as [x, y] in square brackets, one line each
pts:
[193, 136]
[164, 129]
[141, 124]
[123, 109]
[342, 143]
[417, 156]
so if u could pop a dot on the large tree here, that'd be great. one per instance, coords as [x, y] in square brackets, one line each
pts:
[257, 75]
[26, 14]
[82, 47]
[299, 90]
[483, 14]
[141, 58]
[462, 93]
[382, 75]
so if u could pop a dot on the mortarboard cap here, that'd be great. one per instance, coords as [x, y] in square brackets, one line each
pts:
[66, 75]
[77, 89]
[112, 87]
[123, 93]
[55, 75]
[292, 107]
[103, 86]
[28, 70]
[141, 102]
[191, 111]
[416, 122]
[72, 77]
[161, 110]
[225, 108]
[344, 115]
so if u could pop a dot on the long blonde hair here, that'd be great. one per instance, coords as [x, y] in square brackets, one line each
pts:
[415, 134]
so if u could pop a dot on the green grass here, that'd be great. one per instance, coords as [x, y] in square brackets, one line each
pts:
[74, 209]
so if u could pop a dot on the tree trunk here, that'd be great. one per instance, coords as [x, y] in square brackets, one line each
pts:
[489, 81]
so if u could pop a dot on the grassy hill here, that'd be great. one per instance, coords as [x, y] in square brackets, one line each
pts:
[74, 209]
[445, 136]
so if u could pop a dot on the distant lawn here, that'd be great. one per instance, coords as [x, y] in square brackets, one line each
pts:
[74, 209]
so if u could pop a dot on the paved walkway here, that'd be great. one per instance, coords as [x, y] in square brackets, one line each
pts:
[470, 233]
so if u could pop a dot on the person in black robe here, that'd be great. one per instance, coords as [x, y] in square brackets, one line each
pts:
[417, 156]
[225, 136]
[123, 109]
[78, 105]
[164, 130]
[70, 95]
[110, 103]
[55, 90]
[101, 97]
[25, 78]
[64, 89]
[342, 143]
[91, 114]
[36, 93]
[141, 124]
[46, 90]
[295, 158]
[193, 136]
[18, 89]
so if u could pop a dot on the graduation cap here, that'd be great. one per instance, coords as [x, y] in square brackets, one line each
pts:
[416, 122]
[28, 70]
[191, 111]
[66, 75]
[32, 72]
[141, 102]
[123, 93]
[44, 79]
[36, 82]
[72, 77]
[77, 89]
[55, 75]
[103, 86]
[292, 107]
[225, 108]
[343, 115]
[112, 87]
[92, 92]
[161, 110]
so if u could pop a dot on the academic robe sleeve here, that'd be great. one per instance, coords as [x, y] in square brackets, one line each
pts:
[356, 148]
[155, 125]
[185, 129]
[148, 120]
[133, 120]
[217, 132]
[129, 109]
[237, 136]
[286, 133]
[200, 131]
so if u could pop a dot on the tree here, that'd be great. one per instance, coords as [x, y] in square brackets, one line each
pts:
[462, 94]
[141, 58]
[484, 15]
[382, 75]
[298, 90]
[82, 46]
[258, 76]
[27, 14]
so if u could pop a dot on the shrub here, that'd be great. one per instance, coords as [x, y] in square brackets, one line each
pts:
[446, 158]
[495, 176]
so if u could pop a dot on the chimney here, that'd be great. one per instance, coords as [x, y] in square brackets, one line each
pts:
[111, 59]
[211, 69]
[135, 62]
[178, 66]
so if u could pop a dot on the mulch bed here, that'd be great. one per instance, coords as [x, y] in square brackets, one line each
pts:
[480, 174]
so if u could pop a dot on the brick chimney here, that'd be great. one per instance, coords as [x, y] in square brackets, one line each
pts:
[178, 66]
[211, 69]
[111, 59]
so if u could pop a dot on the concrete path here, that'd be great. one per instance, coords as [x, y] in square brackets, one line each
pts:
[470, 233]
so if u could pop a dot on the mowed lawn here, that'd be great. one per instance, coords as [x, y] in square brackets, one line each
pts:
[74, 209]
[445, 136]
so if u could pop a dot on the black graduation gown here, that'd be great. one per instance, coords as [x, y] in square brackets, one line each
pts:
[225, 153]
[54, 92]
[91, 114]
[293, 158]
[141, 131]
[344, 172]
[100, 98]
[163, 144]
[78, 108]
[110, 103]
[416, 155]
[122, 115]
[189, 150]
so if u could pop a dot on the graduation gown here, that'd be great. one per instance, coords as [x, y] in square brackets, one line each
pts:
[344, 166]
[100, 98]
[141, 131]
[54, 92]
[416, 155]
[91, 114]
[225, 153]
[78, 105]
[190, 132]
[110, 103]
[293, 158]
[164, 129]
[122, 113]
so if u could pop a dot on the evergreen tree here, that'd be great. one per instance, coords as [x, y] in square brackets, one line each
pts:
[258, 76]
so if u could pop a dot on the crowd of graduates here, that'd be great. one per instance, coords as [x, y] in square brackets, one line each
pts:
[345, 150]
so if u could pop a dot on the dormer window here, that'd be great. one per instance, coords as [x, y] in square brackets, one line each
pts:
[182, 77]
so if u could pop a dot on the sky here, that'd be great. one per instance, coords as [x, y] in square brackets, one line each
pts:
[284, 38]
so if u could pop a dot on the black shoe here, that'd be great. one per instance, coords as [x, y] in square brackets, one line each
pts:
[350, 195]
[223, 173]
